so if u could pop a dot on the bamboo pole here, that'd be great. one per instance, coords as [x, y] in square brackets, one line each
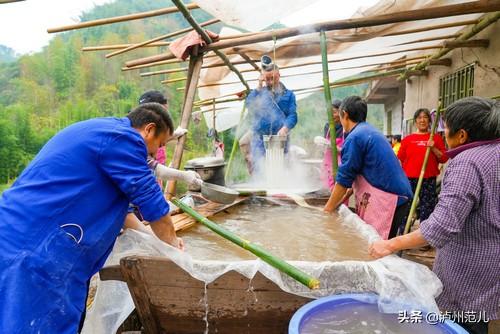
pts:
[235, 145]
[409, 15]
[472, 43]
[123, 18]
[283, 266]
[249, 60]
[194, 64]
[483, 23]
[429, 39]
[120, 46]
[422, 172]
[175, 80]
[434, 27]
[159, 38]
[165, 62]
[328, 101]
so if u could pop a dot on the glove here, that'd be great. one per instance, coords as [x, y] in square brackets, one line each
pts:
[321, 141]
[166, 173]
[179, 132]
[192, 178]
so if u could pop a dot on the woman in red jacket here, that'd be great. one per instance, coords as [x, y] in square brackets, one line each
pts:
[411, 154]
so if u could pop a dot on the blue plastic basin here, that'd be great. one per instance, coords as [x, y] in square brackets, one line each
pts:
[331, 303]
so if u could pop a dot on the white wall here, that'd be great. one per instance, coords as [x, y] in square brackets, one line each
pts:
[423, 92]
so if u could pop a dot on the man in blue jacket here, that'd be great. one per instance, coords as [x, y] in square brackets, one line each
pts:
[59, 220]
[273, 111]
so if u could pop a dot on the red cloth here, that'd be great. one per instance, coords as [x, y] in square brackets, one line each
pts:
[181, 47]
[412, 153]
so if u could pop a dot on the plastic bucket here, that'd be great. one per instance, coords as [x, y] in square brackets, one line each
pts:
[336, 302]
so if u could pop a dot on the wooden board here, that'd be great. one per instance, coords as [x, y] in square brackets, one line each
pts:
[184, 221]
[169, 300]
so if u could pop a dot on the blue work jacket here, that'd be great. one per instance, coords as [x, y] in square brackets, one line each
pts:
[60, 219]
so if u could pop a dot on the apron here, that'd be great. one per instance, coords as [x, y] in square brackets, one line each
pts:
[376, 207]
[326, 173]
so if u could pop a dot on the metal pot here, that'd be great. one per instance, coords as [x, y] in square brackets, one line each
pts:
[210, 169]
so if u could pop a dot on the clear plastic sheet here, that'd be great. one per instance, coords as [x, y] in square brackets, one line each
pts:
[401, 284]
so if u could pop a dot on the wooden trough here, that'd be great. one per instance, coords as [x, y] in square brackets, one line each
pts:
[169, 300]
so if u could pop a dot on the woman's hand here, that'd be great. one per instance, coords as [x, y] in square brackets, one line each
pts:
[380, 249]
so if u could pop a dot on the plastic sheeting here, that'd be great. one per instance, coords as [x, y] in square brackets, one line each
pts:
[401, 284]
[342, 44]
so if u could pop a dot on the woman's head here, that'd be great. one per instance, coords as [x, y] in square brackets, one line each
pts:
[422, 119]
[472, 119]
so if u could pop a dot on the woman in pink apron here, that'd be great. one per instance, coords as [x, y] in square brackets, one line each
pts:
[370, 168]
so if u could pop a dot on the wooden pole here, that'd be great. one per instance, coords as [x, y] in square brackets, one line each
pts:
[409, 15]
[165, 62]
[483, 23]
[472, 43]
[422, 40]
[285, 267]
[120, 46]
[175, 80]
[159, 38]
[328, 101]
[250, 61]
[123, 18]
[422, 172]
[434, 27]
[195, 63]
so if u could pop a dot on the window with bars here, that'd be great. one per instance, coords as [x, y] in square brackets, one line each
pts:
[457, 85]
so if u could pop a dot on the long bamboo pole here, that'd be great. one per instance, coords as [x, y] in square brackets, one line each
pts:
[123, 18]
[483, 23]
[159, 38]
[283, 266]
[165, 62]
[410, 15]
[328, 101]
[429, 39]
[422, 172]
[235, 145]
[195, 64]
[121, 46]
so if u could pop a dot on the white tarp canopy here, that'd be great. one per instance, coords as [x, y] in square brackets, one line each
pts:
[342, 44]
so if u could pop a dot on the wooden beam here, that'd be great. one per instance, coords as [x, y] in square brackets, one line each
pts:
[8, 1]
[473, 43]
[485, 22]
[409, 15]
[122, 18]
[195, 65]
[159, 38]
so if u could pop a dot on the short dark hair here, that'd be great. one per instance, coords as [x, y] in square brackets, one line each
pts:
[478, 116]
[422, 110]
[355, 107]
[151, 113]
[153, 96]
[397, 138]
[336, 103]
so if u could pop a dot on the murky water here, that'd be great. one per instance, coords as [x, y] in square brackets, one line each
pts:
[363, 319]
[288, 231]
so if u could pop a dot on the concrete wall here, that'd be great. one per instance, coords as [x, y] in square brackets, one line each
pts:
[395, 107]
[424, 91]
